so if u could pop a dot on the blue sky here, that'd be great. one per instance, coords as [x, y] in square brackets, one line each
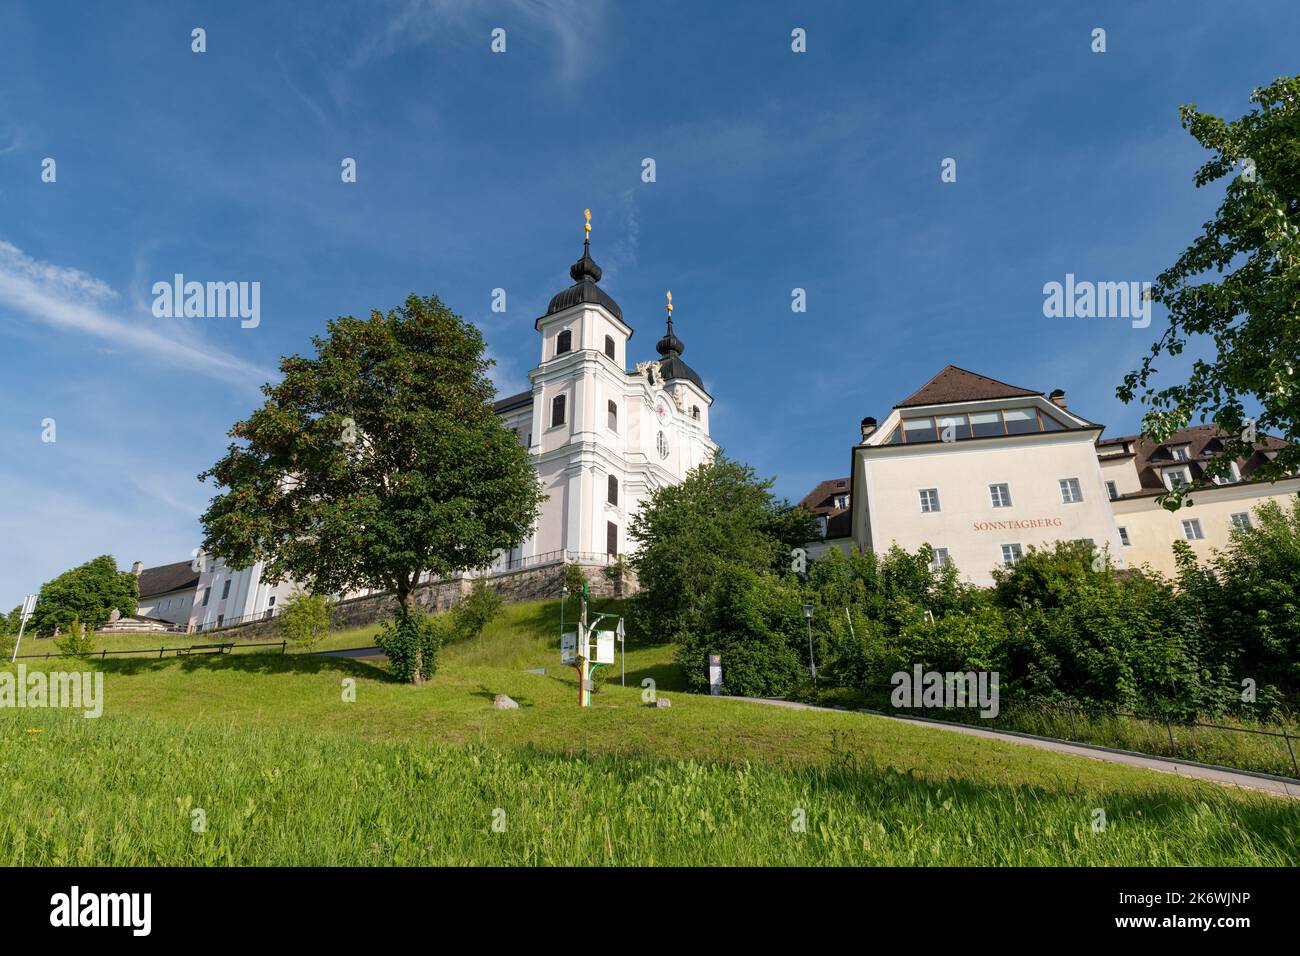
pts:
[774, 170]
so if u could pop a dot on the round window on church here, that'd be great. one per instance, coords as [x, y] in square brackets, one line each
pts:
[662, 444]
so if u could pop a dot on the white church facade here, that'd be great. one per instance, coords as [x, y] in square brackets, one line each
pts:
[602, 438]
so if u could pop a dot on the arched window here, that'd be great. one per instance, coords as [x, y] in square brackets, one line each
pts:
[613, 416]
[609, 346]
[557, 411]
[612, 496]
[564, 342]
[695, 412]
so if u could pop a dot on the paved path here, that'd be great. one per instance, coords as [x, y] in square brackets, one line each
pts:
[361, 653]
[1265, 783]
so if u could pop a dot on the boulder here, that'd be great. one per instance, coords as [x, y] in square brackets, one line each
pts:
[502, 702]
[663, 702]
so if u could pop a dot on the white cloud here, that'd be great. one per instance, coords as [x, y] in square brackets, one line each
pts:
[71, 300]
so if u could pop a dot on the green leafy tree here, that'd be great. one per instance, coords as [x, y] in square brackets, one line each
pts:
[375, 460]
[574, 579]
[305, 618]
[721, 515]
[85, 594]
[1239, 284]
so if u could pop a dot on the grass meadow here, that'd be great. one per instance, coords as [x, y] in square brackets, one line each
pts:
[286, 771]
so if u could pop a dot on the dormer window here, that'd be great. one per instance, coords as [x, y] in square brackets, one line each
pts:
[1177, 477]
[841, 502]
[1179, 452]
[564, 342]
[609, 346]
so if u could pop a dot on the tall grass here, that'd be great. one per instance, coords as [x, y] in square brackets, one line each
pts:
[122, 791]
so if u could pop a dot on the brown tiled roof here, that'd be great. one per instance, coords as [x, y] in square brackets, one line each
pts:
[955, 384]
[1203, 444]
[168, 577]
[821, 501]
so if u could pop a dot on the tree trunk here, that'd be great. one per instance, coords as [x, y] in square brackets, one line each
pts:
[407, 602]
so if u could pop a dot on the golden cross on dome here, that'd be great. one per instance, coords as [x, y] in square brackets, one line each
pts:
[670, 304]
[587, 227]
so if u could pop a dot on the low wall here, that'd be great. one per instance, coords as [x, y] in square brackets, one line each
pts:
[528, 584]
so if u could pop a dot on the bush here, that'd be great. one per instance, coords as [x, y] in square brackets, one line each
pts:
[754, 621]
[78, 641]
[305, 619]
[475, 611]
[411, 640]
[574, 579]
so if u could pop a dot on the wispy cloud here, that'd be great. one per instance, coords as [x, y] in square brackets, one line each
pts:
[69, 299]
[413, 23]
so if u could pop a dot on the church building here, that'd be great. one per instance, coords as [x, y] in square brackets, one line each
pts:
[602, 439]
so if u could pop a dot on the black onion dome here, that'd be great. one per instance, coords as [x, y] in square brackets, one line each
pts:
[672, 366]
[586, 273]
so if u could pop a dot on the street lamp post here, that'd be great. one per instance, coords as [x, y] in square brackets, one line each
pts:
[812, 664]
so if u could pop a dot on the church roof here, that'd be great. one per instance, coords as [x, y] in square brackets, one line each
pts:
[585, 275]
[954, 384]
[672, 366]
[168, 577]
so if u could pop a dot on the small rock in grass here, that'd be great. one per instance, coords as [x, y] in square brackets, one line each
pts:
[502, 702]
[663, 702]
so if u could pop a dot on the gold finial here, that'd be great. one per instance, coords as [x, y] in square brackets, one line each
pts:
[670, 304]
[587, 227]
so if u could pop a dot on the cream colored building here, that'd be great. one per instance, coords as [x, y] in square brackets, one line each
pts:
[980, 470]
[1137, 471]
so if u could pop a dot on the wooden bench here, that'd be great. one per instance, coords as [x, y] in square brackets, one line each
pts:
[206, 648]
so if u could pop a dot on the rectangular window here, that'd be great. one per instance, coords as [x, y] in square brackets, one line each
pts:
[1123, 537]
[611, 539]
[225, 590]
[1241, 521]
[929, 500]
[984, 424]
[220, 618]
[1112, 491]
[1070, 491]
[1177, 478]
[1192, 529]
[939, 558]
[611, 494]
[613, 415]
[557, 411]
[1011, 553]
[919, 429]
[953, 428]
[841, 501]
[1180, 453]
[207, 593]
[1020, 420]
[1001, 495]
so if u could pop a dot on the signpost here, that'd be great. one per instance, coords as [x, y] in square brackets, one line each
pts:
[812, 664]
[29, 605]
[578, 650]
[715, 674]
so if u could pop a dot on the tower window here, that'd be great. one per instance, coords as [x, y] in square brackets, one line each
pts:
[612, 495]
[695, 412]
[611, 539]
[609, 346]
[613, 416]
[564, 342]
[557, 411]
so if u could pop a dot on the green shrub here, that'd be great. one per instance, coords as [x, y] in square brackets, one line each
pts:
[475, 611]
[411, 640]
[78, 641]
[305, 618]
[575, 579]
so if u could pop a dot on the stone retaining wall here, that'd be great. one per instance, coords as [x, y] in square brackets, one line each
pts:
[528, 584]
